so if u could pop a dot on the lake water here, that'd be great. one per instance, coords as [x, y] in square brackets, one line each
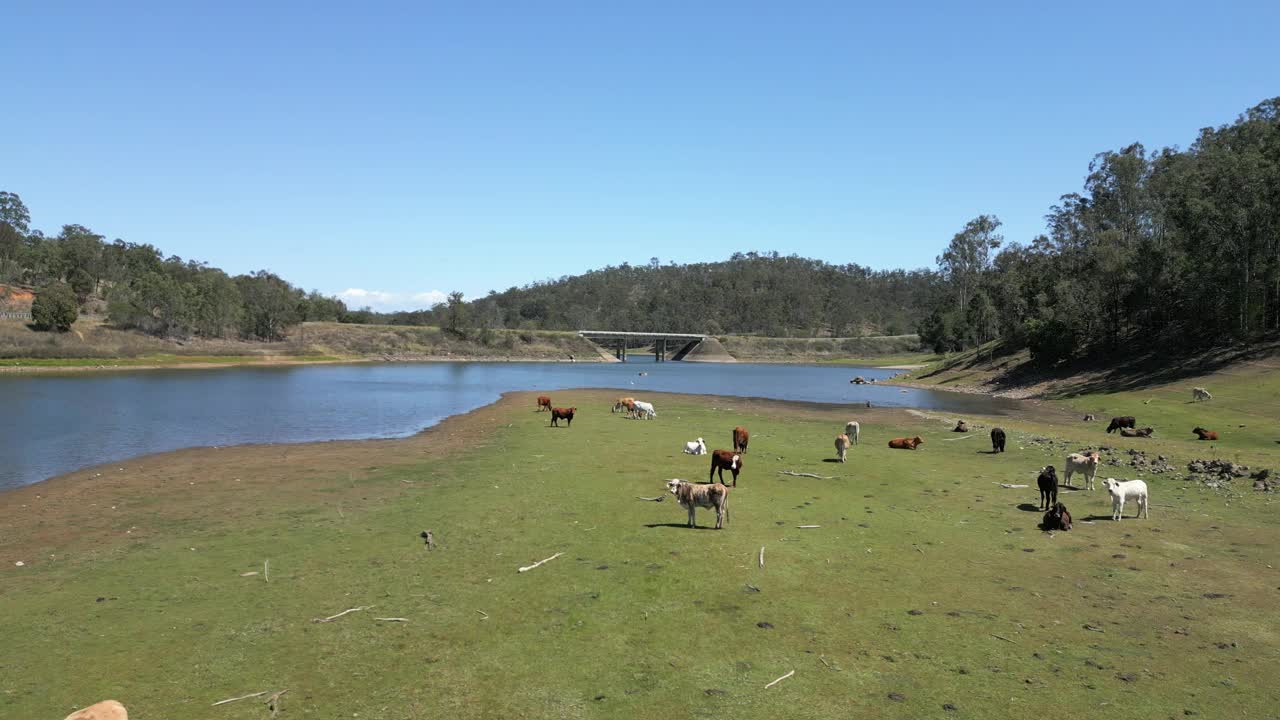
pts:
[50, 425]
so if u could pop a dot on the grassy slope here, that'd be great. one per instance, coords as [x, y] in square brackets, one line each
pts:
[750, 348]
[642, 617]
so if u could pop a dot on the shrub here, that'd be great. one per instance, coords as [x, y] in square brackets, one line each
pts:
[55, 308]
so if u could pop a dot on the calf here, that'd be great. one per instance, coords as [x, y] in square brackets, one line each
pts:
[544, 403]
[906, 443]
[725, 460]
[1121, 491]
[1200, 393]
[565, 414]
[1126, 421]
[697, 447]
[853, 430]
[1048, 483]
[740, 439]
[1139, 432]
[692, 497]
[1084, 463]
[1205, 434]
[842, 446]
[1057, 518]
[997, 440]
[960, 427]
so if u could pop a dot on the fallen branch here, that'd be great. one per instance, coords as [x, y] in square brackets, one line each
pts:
[1012, 486]
[784, 677]
[485, 614]
[796, 474]
[331, 618]
[660, 498]
[808, 527]
[762, 557]
[824, 662]
[1001, 637]
[242, 697]
[266, 570]
[530, 567]
[393, 619]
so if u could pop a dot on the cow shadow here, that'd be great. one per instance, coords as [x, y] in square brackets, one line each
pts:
[987, 452]
[830, 460]
[1029, 507]
[1091, 518]
[682, 526]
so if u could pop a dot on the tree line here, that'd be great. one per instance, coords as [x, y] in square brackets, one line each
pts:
[1173, 248]
[143, 289]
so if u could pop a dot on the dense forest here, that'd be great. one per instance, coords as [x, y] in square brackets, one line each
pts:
[1166, 249]
[140, 288]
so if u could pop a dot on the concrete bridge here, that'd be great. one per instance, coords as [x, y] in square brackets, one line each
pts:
[680, 343]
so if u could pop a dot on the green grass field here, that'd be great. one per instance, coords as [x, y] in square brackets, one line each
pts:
[928, 590]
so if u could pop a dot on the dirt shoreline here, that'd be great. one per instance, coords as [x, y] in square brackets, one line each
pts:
[269, 362]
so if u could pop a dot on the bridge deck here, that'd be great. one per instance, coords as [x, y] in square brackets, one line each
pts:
[621, 335]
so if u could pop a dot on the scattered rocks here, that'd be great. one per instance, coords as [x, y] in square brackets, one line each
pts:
[1138, 460]
[1216, 473]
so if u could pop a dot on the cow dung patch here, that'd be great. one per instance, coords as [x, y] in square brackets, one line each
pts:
[897, 697]
[764, 625]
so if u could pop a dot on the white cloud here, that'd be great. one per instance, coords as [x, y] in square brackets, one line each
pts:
[389, 301]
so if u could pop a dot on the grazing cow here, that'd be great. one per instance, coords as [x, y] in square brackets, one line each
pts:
[1126, 421]
[1200, 393]
[1121, 491]
[725, 460]
[1057, 518]
[853, 430]
[842, 446]
[1048, 483]
[1205, 434]
[544, 402]
[105, 710]
[1139, 432]
[643, 411]
[960, 427]
[906, 443]
[1085, 464]
[697, 447]
[997, 440]
[1089, 418]
[565, 414]
[692, 496]
[740, 439]
[625, 404]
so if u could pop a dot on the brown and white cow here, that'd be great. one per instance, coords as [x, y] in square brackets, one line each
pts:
[565, 414]
[906, 443]
[725, 460]
[625, 404]
[740, 438]
[692, 496]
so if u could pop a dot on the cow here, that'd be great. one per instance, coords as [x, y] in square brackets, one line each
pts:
[1121, 491]
[643, 411]
[697, 447]
[842, 446]
[1089, 418]
[853, 430]
[997, 440]
[1199, 393]
[105, 710]
[1084, 463]
[1048, 484]
[906, 443]
[858, 380]
[565, 414]
[692, 496]
[740, 438]
[1138, 432]
[625, 404]
[960, 427]
[1205, 434]
[725, 460]
[544, 402]
[1057, 518]
[1126, 421]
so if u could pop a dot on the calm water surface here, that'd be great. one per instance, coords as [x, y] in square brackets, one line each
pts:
[52, 425]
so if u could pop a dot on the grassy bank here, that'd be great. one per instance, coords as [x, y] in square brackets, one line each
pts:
[863, 350]
[926, 586]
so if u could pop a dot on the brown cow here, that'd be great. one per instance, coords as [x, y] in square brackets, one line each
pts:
[544, 402]
[565, 414]
[722, 460]
[1205, 434]
[105, 710]
[906, 443]
[740, 438]
[625, 404]
[842, 447]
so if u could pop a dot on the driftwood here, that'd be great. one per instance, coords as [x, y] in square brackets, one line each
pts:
[1012, 486]
[784, 677]
[485, 614]
[1001, 637]
[796, 474]
[762, 556]
[242, 697]
[331, 618]
[530, 567]
[266, 570]
[808, 527]
[659, 498]
[393, 619]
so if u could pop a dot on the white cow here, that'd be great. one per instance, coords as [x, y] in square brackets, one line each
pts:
[1199, 393]
[853, 430]
[1121, 491]
[697, 447]
[644, 410]
[1086, 463]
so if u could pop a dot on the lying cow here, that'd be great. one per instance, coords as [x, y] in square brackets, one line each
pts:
[565, 414]
[725, 460]
[1126, 421]
[960, 427]
[692, 496]
[544, 403]
[697, 447]
[1048, 484]
[1121, 491]
[1057, 518]
[842, 446]
[1200, 393]
[105, 710]
[1139, 432]
[1205, 434]
[1084, 463]
[740, 439]
[853, 430]
[643, 411]
[997, 440]
[906, 443]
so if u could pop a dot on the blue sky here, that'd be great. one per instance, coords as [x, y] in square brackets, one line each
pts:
[402, 150]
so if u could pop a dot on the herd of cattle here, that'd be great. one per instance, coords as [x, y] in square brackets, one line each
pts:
[714, 493]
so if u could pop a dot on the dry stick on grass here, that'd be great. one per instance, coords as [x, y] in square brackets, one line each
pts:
[485, 614]
[784, 677]
[761, 557]
[796, 474]
[1011, 486]
[331, 618]
[242, 697]
[393, 619]
[530, 567]
[266, 569]
[808, 527]
[659, 498]
[1001, 637]
[966, 437]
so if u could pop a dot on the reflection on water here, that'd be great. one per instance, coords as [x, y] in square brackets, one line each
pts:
[52, 425]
